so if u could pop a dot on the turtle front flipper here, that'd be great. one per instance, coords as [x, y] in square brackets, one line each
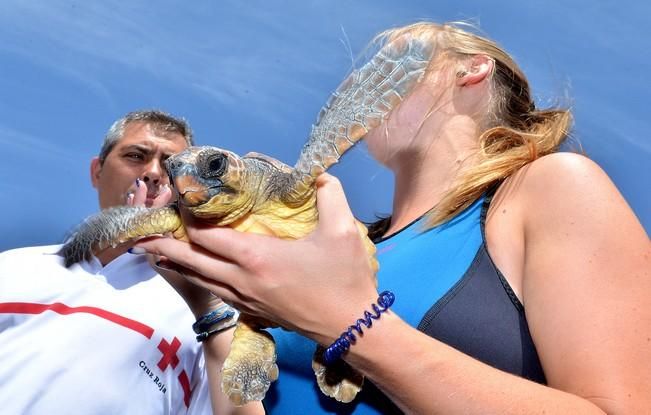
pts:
[117, 225]
[250, 366]
[361, 103]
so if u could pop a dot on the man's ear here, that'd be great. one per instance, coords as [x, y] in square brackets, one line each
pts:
[480, 68]
[95, 170]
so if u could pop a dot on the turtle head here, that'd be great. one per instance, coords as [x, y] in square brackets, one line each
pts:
[210, 182]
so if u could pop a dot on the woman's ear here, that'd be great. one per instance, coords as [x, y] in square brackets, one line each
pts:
[480, 68]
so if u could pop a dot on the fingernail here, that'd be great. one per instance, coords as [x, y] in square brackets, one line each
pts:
[136, 250]
[162, 265]
[137, 182]
[130, 197]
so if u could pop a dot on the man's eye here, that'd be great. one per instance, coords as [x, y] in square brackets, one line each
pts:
[134, 156]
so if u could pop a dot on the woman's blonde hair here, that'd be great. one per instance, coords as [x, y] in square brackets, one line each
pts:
[515, 134]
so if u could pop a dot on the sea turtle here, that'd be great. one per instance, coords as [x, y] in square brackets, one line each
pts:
[257, 193]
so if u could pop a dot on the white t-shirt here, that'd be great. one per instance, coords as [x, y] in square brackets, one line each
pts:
[95, 340]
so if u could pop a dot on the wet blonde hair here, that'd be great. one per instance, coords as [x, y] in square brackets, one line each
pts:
[514, 134]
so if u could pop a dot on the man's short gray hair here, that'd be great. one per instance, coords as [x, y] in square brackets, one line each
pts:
[160, 121]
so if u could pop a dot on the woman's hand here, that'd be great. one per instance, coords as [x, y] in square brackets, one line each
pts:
[317, 285]
[199, 299]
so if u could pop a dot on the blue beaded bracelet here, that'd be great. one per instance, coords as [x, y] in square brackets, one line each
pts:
[343, 343]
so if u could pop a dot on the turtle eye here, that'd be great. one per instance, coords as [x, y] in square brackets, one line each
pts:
[216, 166]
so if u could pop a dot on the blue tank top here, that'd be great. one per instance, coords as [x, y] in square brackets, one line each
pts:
[446, 286]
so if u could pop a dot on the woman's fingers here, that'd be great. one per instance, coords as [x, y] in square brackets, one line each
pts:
[163, 198]
[243, 248]
[335, 215]
[137, 194]
[235, 246]
[194, 258]
[222, 291]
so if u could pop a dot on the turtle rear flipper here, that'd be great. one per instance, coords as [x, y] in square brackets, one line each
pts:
[339, 380]
[250, 366]
[117, 225]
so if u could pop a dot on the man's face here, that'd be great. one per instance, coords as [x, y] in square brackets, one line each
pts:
[139, 154]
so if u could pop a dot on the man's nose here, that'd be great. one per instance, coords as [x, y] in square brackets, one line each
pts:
[155, 172]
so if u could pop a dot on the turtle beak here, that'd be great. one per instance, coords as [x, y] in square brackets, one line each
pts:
[192, 192]
[177, 167]
[187, 183]
[196, 174]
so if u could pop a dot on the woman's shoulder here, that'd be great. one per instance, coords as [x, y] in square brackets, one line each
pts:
[558, 191]
[561, 169]
[566, 190]
[561, 180]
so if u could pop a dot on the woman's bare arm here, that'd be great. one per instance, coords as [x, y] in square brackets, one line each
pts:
[419, 373]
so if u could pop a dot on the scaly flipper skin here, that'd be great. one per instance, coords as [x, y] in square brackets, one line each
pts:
[256, 193]
[117, 225]
[361, 103]
[339, 381]
[251, 366]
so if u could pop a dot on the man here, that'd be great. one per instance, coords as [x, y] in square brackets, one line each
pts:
[110, 336]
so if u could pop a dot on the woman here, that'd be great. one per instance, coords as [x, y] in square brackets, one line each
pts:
[521, 276]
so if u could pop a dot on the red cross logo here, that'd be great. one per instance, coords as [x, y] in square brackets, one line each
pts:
[169, 353]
